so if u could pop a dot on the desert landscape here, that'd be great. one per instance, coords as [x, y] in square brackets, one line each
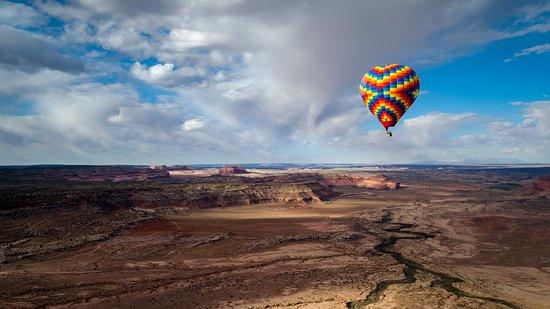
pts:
[274, 154]
[275, 237]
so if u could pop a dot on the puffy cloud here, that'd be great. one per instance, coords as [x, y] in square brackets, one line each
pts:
[529, 137]
[537, 116]
[166, 74]
[434, 137]
[535, 122]
[77, 120]
[193, 124]
[418, 139]
[433, 129]
[154, 73]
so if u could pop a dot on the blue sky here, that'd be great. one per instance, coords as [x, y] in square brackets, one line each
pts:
[183, 82]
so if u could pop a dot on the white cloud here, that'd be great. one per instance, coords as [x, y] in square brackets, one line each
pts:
[433, 137]
[417, 139]
[25, 83]
[531, 135]
[430, 120]
[193, 124]
[19, 15]
[512, 150]
[181, 40]
[538, 49]
[433, 129]
[518, 103]
[152, 74]
[77, 120]
[166, 74]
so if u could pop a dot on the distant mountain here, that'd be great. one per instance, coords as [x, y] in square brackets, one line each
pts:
[492, 161]
[428, 162]
[472, 162]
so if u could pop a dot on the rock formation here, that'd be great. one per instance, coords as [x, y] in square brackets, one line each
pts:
[231, 194]
[232, 170]
[542, 184]
[377, 182]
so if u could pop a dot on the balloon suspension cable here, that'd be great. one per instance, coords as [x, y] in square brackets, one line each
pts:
[389, 133]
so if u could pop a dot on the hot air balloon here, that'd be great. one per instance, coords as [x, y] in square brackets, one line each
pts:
[389, 91]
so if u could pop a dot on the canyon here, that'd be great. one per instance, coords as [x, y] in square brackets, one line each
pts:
[412, 237]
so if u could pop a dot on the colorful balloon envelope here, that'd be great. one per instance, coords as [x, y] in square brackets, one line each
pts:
[389, 91]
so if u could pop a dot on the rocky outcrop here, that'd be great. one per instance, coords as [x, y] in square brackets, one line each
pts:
[542, 184]
[228, 194]
[377, 182]
[138, 176]
[232, 170]
[190, 192]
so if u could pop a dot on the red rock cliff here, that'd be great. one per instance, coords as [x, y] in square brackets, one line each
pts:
[378, 182]
[542, 184]
[232, 169]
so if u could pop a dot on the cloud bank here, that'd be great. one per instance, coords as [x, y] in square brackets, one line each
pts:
[239, 81]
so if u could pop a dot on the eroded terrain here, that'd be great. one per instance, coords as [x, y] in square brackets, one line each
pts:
[446, 238]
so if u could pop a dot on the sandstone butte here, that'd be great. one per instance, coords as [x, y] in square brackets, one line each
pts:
[232, 169]
[378, 182]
